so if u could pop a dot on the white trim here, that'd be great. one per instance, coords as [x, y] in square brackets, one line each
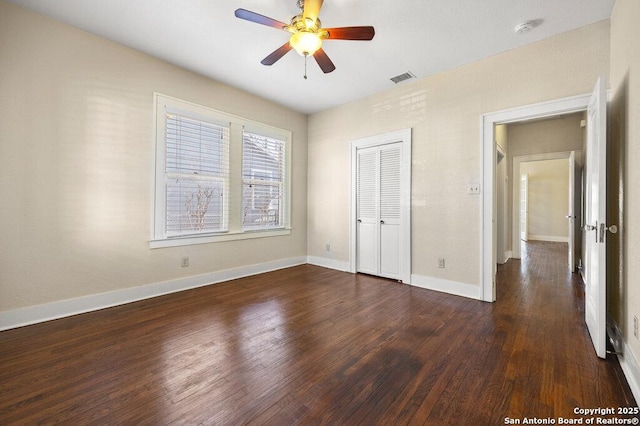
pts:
[325, 262]
[487, 218]
[403, 136]
[445, 286]
[94, 302]
[227, 236]
[628, 362]
[551, 238]
[631, 370]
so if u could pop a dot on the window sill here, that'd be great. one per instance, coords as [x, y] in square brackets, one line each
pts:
[206, 239]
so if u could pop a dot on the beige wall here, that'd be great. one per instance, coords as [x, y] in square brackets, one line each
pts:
[625, 122]
[76, 142]
[548, 199]
[444, 112]
[558, 134]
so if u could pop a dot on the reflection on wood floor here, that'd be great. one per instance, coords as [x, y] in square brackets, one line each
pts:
[308, 345]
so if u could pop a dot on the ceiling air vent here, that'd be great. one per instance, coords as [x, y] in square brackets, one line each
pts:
[402, 77]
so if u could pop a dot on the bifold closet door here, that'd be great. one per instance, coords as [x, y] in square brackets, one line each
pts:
[378, 210]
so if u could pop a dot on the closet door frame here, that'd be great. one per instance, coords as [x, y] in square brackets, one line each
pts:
[404, 137]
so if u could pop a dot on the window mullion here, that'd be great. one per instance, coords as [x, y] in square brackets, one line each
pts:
[235, 178]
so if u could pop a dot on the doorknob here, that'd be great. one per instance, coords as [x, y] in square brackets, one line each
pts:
[590, 227]
[382, 222]
[359, 220]
[613, 229]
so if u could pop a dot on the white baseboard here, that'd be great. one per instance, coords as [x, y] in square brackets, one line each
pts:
[505, 257]
[628, 362]
[445, 286]
[631, 370]
[64, 308]
[328, 263]
[550, 238]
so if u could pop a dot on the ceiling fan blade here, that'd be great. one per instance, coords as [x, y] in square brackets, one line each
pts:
[323, 61]
[260, 19]
[350, 33]
[312, 9]
[276, 54]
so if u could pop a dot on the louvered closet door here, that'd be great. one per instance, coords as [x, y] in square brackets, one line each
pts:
[378, 210]
[367, 205]
[390, 157]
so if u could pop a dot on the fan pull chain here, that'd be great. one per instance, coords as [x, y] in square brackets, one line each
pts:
[305, 66]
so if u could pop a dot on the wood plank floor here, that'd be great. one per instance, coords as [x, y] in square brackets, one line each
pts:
[308, 345]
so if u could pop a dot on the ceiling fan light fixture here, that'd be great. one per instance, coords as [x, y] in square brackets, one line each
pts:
[305, 43]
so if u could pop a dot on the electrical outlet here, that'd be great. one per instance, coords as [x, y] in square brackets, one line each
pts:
[473, 188]
[327, 247]
[185, 261]
[440, 263]
[635, 326]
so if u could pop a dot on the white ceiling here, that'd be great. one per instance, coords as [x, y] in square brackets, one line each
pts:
[422, 36]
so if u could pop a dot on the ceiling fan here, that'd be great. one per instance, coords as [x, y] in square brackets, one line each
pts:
[307, 34]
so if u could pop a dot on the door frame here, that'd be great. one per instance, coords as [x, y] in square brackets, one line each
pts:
[502, 220]
[488, 211]
[523, 209]
[404, 137]
[515, 167]
[574, 212]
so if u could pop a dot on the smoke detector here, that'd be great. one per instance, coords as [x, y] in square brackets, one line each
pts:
[524, 27]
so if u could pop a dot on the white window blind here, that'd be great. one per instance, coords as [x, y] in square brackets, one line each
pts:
[196, 175]
[263, 182]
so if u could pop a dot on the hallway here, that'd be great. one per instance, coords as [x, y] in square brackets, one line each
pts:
[557, 364]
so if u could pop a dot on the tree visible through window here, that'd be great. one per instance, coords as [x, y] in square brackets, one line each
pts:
[197, 173]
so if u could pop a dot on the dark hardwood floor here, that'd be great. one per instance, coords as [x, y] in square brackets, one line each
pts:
[308, 345]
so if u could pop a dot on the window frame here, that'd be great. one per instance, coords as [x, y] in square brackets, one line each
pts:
[237, 125]
[271, 183]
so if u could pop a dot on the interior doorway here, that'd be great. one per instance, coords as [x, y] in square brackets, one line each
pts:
[595, 185]
[490, 122]
[541, 151]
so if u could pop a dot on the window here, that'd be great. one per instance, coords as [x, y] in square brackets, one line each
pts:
[196, 175]
[263, 169]
[218, 177]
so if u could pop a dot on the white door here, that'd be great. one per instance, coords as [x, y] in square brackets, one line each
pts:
[378, 210]
[575, 190]
[595, 219]
[524, 207]
[367, 211]
[390, 164]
